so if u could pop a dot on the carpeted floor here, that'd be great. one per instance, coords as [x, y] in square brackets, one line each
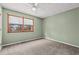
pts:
[39, 47]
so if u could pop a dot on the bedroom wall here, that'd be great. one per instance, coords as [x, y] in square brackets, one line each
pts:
[63, 27]
[9, 38]
[0, 27]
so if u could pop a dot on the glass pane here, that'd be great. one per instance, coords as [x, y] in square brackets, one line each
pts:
[28, 23]
[15, 24]
[15, 20]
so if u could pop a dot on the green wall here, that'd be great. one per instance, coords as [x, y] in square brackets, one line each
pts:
[22, 36]
[0, 26]
[63, 27]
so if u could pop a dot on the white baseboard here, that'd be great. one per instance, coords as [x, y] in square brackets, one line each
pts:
[61, 42]
[22, 41]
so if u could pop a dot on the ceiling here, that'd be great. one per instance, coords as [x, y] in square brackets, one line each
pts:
[43, 9]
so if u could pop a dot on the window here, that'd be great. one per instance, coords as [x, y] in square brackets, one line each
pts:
[28, 25]
[20, 24]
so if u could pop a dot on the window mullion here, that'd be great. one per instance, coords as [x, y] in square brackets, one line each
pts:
[23, 25]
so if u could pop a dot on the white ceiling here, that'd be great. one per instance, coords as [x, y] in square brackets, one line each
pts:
[43, 10]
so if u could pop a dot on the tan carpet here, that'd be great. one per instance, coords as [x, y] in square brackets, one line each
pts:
[39, 47]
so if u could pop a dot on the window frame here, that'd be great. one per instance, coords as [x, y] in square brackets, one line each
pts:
[22, 30]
